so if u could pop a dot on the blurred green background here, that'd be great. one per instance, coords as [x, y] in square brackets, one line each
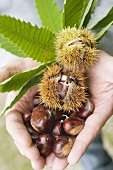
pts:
[10, 158]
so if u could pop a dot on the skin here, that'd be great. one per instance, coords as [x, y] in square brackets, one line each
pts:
[100, 84]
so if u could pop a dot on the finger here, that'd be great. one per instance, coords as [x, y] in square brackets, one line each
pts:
[16, 128]
[25, 103]
[31, 152]
[16, 66]
[81, 143]
[20, 135]
[38, 164]
[59, 163]
[49, 160]
[92, 127]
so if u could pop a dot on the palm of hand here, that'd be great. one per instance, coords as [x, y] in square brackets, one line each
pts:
[100, 85]
[101, 89]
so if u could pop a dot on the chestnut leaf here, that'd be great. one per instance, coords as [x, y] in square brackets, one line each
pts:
[6, 44]
[88, 16]
[36, 43]
[75, 12]
[103, 25]
[18, 80]
[32, 82]
[103, 22]
[50, 14]
[103, 31]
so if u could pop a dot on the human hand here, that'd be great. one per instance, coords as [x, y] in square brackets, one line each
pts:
[100, 85]
[14, 121]
[16, 66]
[101, 89]
[16, 128]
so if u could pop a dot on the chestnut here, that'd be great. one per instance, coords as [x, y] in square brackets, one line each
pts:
[87, 109]
[58, 129]
[60, 115]
[27, 116]
[63, 89]
[62, 146]
[36, 99]
[63, 85]
[73, 126]
[44, 143]
[41, 119]
[33, 132]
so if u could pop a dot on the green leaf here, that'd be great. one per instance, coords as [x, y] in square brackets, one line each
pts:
[33, 81]
[18, 80]
[50, 14]
[6, 44]
[75, 12]
[36, 43]
[88, 16]
[103, 31]
[104, 21]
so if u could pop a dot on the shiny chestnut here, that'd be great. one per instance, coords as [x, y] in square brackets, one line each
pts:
[31, 130]
[44, 144]
[60, 115]
[73, 126]
[41, 119]
[36, 99]
[87, 109]
[27, 116]
[63, 85]
[62, 146]
[58, 129]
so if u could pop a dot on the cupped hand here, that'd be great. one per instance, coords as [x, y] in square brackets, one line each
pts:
[100, 83]
[101, 88]
[16, 128]
[14, 120]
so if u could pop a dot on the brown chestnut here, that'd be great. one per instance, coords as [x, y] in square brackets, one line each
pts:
[31, 130]
[63, 85]
[44, 143]
[27, 116]
[87, 109]
[58, 129]
[63, 89]
[36, 99]
[60, 115]
[41, 119]
[73, 126]
[62, 146]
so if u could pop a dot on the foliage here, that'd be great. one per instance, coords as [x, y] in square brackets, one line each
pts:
[75, 12]
[35, 42]
[51, 15]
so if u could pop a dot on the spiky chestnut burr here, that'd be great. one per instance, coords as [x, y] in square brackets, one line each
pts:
[76, 48]
[62, 89]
